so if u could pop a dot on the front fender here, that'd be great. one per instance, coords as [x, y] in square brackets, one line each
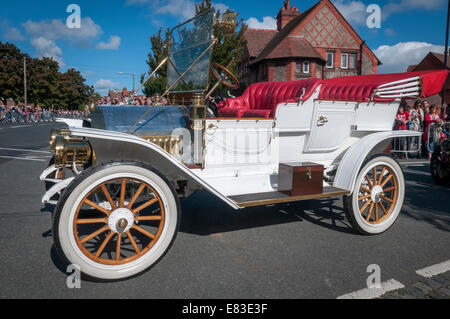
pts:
[115, 146]
[353, 159]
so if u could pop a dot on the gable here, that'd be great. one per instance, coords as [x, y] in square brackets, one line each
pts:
[325, 29]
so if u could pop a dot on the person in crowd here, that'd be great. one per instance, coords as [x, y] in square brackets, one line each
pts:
[429, 133]
[402, 118]
[446, 116]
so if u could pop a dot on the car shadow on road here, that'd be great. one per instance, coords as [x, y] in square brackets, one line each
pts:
[423, 193]
[203, 214]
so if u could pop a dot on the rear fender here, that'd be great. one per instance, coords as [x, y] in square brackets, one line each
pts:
[353, 159]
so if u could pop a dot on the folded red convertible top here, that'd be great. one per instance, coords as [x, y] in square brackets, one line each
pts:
[383, 87]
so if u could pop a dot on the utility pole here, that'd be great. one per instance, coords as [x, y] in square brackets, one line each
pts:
[446, 53]
[124, 73]
[25, 80]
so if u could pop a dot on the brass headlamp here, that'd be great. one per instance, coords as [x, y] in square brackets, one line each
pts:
[55, 132]
[69, 149]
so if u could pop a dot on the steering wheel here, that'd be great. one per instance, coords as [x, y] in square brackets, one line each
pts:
[227, 78]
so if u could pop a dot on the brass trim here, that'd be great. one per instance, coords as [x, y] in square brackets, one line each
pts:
[171, 144]
[290, 199]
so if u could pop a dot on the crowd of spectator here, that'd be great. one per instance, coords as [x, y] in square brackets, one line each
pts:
[138, 100]
[423, 117]
[30, 114]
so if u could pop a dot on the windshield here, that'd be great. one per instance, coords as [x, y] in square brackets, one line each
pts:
[187, 43]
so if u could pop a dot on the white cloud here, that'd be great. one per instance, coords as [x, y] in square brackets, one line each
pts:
[183, 9]
[13, 34]
[10, 33]
[56, 29]
[113, 44]
[397, 58]
[353, 11]
[47, 48]
[404, 5]
[103, 85]
[267, 23]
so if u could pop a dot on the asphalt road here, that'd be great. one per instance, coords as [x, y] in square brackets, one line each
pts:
[302, 250]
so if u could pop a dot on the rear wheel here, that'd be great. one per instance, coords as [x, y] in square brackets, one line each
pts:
[116, 220]
[378, 196]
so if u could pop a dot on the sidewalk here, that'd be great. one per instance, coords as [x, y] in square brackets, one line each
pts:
[436, 287]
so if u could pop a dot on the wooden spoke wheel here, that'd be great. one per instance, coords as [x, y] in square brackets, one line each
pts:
[116, 220]
[119, 221]
[378, 196]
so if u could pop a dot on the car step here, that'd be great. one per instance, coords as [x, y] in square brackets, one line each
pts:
[270, 198]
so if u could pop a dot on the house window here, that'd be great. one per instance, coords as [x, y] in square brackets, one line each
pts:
[352, 64]
[344, 60]
[330, 60]
[306, 67]
[298, 68]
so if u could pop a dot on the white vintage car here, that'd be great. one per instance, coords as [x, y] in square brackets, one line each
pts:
[117, 184]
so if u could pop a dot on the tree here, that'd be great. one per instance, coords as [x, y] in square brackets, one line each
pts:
[42, 81]
[11, 72]
[157, 83]
[72, 93]
[46, 86]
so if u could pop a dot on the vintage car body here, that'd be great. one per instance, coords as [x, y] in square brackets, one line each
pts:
[129, 168]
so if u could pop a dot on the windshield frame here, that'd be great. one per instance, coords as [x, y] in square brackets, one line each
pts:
[210, 41]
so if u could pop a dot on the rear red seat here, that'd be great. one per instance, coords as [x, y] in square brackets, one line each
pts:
[262, 99]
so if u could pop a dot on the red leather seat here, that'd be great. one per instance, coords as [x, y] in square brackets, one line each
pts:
[261, 99]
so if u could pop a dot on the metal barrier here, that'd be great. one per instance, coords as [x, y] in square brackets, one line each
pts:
[15, 116]
[408, 147]
[436, 132]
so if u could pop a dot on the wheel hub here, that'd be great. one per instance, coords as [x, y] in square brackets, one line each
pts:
[377, 193]
[121, 220]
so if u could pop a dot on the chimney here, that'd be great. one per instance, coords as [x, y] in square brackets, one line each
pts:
[286, 14]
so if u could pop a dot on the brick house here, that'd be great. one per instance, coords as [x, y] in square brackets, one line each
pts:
[434, 61]
[316, 43]
[117, 94]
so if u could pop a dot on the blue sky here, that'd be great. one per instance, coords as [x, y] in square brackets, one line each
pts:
[114, 34]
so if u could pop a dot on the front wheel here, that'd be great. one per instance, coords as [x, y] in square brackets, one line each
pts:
[116, 220]
[378, 196]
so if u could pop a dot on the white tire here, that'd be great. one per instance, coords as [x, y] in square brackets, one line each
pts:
[128, 247]
[376, 202]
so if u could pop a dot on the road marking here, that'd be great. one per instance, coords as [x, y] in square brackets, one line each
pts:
[17, 126]
[370, 293]
[23, 158]
[23, 150]
[434, 270]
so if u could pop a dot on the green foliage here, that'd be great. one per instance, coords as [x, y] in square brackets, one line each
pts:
[157, 83]
[46, 86]
[11, 72]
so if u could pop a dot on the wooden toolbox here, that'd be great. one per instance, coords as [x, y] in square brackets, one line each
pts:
[297, 179]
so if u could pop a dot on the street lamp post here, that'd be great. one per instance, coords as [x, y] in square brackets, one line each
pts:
[124, 73]
[446, 51]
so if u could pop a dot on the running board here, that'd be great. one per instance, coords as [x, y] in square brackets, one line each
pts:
[270, 198]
